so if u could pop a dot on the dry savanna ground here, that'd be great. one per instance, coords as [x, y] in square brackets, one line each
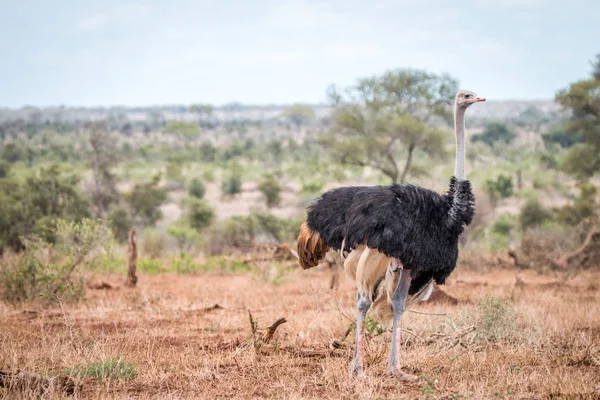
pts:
[533, 337]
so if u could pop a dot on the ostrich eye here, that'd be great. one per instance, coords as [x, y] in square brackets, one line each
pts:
[467, 96]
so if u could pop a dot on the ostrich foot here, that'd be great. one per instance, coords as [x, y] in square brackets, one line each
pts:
[357, 372]
[402, 376]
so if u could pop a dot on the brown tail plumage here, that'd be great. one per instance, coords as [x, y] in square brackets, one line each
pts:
[311, 249]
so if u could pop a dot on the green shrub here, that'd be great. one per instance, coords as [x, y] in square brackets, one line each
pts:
[232, 183]
[236, 232]
[503, 225]
[32, 275]
[500, 188]
[208, 175]
[533, 214]
[149, 266]
[311, 187]
[220, 263]
[154, 243]
[199, 213]
[185, 265]
[271, 189]
[187, 238]
[196, 188]
[145, 200]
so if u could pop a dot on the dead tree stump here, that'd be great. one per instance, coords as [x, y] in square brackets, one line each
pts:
[132, 259]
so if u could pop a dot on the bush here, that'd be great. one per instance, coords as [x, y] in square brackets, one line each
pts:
[503, 225]
[501, 188]
[196, 188]
[271, 189]
[236, 232]
[33, 275]
[186, 237]
[494, 132]
[311, 187]
[533, 214]
[145, 200]
[149, 266]
[154, 243]
[232, 184]
[4, 169]
[199, 213]
[496, 319]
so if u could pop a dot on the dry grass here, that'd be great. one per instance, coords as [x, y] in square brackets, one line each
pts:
[175, 345]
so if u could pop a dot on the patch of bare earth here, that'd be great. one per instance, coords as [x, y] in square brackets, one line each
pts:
[185, 347]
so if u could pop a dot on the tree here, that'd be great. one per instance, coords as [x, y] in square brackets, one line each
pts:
[34, 205]
[299, 114]
[582, 99]
[145, 200]
[271, 189]
[103, 157]
[183, 128]
[384, 120]
[196, 188]
[494, 132]
[199, 213]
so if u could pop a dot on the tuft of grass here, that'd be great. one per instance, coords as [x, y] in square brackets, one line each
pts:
[113, 369]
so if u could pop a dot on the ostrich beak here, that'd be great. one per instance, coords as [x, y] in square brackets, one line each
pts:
[479, 99]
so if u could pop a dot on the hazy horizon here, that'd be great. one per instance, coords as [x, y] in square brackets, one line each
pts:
[141, 54]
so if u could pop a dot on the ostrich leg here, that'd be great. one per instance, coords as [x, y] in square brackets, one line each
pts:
[363, 303]
[398, 300]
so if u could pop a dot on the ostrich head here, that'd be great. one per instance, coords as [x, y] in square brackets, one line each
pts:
[464, 98]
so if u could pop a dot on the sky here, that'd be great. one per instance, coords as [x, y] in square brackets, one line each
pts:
[141, 53]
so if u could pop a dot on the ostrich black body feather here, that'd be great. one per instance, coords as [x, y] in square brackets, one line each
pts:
[418, 226]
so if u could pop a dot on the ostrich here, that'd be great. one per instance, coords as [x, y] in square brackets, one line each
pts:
[400, 239]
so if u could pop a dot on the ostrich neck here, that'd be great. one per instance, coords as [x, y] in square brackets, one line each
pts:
[459, 128]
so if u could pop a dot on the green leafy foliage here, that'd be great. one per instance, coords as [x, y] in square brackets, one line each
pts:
[583, 101]
[494, 132]
[199, 214]
[533, 214]
[186, 237]
[145, 200]
[385, 121]
[29, 206]
[35, 275]
[232, 183]
[500, 188]
[196, 188]
[299, 114]
[583, 207]
[271, 189]
[183, 128]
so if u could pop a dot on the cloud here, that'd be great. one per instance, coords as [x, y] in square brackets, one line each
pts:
[93, 22]
[349, 51]
[300, 14]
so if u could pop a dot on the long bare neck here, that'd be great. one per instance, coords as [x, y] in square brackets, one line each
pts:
[459, 128]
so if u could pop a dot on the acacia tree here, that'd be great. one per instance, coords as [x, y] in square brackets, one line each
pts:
[382, 121]
[582, 99]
